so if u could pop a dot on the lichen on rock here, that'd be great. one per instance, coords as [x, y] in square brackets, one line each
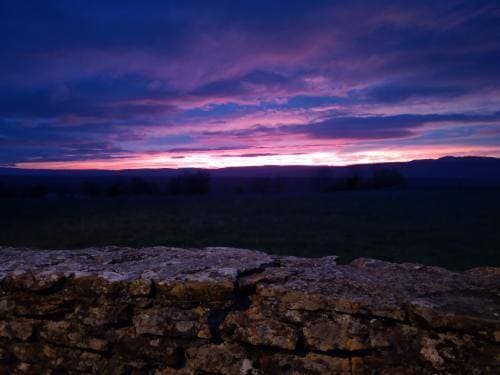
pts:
[233, 311]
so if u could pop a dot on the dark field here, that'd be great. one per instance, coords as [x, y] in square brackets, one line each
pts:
[454, 228]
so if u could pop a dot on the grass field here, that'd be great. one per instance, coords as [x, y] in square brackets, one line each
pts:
[457, 229]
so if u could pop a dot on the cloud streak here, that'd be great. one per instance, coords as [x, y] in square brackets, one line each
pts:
[95, 81]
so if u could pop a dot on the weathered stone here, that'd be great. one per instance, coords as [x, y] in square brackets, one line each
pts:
[311, 363]
[342, 332]
[232, 311]
[104, 313]
[377, 364]
[72, 335]
[220, 359]
[7, 305]
[21, 329]
[138, 349]
[431, 354]
[251, 327]
[140, 287]
[162, 321]
[109, 266]
[30, 368]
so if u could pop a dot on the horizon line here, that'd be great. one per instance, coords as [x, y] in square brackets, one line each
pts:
[14, 168]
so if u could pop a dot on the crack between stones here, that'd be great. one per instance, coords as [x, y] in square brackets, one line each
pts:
[241, 302]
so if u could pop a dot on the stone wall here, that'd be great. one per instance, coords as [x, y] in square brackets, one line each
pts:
[232, 311]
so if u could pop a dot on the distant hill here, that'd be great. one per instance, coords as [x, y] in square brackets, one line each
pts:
[476, 168]
[449, 167]
[469, 167]
[446, 171]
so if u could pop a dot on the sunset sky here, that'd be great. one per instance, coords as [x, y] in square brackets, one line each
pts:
[149, 84]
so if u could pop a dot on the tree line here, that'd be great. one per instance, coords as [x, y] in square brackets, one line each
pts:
[326, 181]
[185, 183]
[200, 182]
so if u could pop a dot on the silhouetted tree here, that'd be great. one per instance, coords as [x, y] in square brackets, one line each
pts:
[386, 178]
[260, 185]
[7, 191]
[91, 189]
[239, 189]
[191, 183]
[350, 182]
[323, 180]
[38, 191]
[141, 186]
[138, 186]
[278, 184]
[114, 190]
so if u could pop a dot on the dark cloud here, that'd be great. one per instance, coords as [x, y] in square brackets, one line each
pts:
[200, 149]
[249, 85]
[396, 92]
[45, 142]
[359, 128]
[380, 127]
[88, 79]
[92, 96]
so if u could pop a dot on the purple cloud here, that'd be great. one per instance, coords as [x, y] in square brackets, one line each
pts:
[92, 79]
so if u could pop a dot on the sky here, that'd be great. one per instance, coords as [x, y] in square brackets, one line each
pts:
[149, 84]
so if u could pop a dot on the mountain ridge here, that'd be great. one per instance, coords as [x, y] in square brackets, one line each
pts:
[468, 167]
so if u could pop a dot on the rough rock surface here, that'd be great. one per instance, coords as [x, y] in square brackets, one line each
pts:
[231, 311]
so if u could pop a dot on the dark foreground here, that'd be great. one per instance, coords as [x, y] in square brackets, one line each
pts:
[454, 228]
